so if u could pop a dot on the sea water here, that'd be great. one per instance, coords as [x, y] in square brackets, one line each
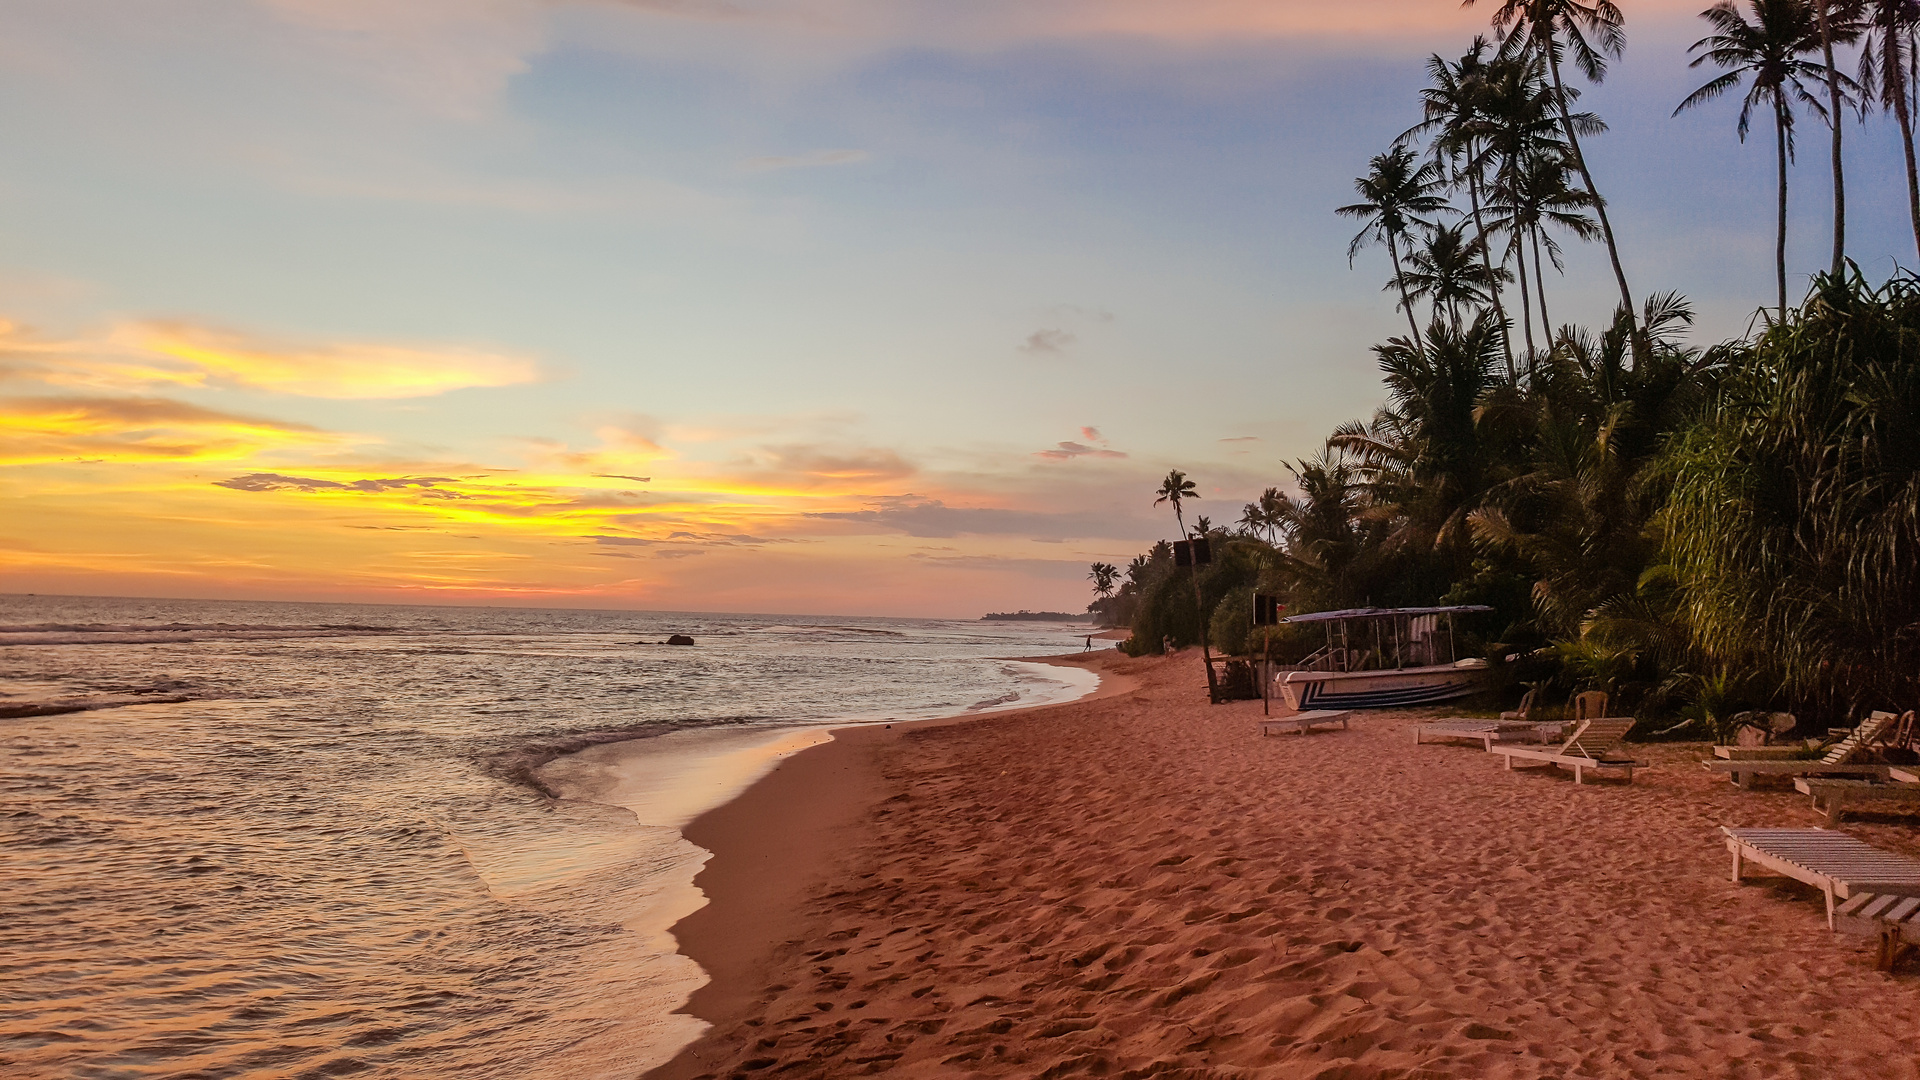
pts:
[307, 840]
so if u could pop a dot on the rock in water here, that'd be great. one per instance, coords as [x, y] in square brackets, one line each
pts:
[679, 639]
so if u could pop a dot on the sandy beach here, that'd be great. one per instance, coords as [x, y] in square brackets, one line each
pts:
[1138, 884]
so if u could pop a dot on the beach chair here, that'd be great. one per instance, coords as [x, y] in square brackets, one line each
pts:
[1525, 709]
[1302, 723]
[1589, 747]
[1590, 705]
[1842, 793]
[1487, 732]
[1833, 862]
[1895, 920]
[1839, 761]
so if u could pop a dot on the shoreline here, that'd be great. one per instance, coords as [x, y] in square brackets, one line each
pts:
[1140, 884]
[778, 839]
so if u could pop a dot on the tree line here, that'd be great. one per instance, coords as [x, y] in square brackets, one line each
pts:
[1696, 531]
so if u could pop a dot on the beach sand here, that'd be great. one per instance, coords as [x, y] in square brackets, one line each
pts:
[1138, 884]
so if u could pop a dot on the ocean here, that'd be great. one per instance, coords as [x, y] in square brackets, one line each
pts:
[321, 840]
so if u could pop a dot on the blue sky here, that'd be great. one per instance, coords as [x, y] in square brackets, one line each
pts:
[799, 259]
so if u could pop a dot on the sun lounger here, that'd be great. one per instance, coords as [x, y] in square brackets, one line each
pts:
[1523, 711]
[1487, 732]
[1895, 920]
[1833, 862]
[1837, 762]
[1304, 722]
[1590, 747]
[1844, 793]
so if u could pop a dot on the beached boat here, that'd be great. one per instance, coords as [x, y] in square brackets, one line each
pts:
[1377, 658]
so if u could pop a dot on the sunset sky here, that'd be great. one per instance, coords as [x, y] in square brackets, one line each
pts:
[822, 306]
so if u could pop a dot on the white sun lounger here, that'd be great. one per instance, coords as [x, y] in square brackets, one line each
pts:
[1895, 920]
[1304, 722]
[1486, 732]
[1837, 762]
[1844, 793]
[1833, 862]
[1588, 748]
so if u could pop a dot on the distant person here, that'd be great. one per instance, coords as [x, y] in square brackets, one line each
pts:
[1089, 647]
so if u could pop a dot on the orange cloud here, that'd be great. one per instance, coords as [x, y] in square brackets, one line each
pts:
[205, 355]
[37, 430]
[143, 355]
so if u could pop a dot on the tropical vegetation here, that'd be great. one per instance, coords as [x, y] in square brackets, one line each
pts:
[1694, 530]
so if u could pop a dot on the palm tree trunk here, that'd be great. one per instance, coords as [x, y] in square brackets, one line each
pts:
[1599, 204]
[1898, 73]
[1486, 259]
[1526, 301]
[1400, 282]
[1540, 279]
[1780, 240]
[1833, 121]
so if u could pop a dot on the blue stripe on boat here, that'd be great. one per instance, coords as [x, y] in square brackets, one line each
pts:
[1312, 696]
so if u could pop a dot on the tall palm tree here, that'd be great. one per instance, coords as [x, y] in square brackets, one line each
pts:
[1589, 31]
[1455, 106]
[1532, 194]
[1523, 126]
[1400, 195]
[1824, 16]
[1176, 488]
[1103, 576]
[1888, 59]
[1770, 50]
[1449, 270]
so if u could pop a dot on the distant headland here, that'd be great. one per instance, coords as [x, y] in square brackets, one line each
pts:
[1023, 615]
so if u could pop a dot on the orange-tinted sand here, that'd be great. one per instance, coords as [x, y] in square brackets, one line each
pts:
[1141, 885]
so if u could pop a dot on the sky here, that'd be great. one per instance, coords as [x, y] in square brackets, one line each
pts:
[809, 306]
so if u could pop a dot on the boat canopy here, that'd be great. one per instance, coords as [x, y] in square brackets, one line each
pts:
[1383, 613]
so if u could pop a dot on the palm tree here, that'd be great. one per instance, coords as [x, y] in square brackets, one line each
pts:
[1449, 270]
[1103, 575]
[1769, 49]
[1176, 488]
[1825, 18]
[1523, 129]
[1890, 55]
[1590, 31]
[1455, 106]
[1399, 194]
[1531, 195]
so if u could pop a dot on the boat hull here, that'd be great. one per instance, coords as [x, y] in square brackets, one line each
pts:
[1305, 690]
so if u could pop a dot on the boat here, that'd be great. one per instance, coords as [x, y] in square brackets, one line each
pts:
[1379, 658]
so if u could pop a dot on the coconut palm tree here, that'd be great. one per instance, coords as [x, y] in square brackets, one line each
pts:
[1523, 127]
[1769, 49]
[1533, 193]
[1103, 576]
[1176, 488]
[1888, 59]
[1455, 105]
[1449, 270]
[1400, 195]
[1587, 32]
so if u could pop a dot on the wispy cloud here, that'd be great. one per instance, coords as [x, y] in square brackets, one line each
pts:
[933, 518]
[815, 159]
[179, 354]
[1050, 341]
[136, 429]
[1094, 447]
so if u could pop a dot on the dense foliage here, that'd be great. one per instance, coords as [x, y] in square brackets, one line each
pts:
[1695, 531]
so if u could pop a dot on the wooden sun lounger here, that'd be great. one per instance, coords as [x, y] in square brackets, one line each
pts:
[1833, 862]
[1487, 732]
[1842, 794]
[1895, 920]
[1304, 722]
[1837, 762]
[1588, 748]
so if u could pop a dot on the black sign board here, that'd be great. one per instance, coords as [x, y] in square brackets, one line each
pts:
[1266, 609]
[1195, 552]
